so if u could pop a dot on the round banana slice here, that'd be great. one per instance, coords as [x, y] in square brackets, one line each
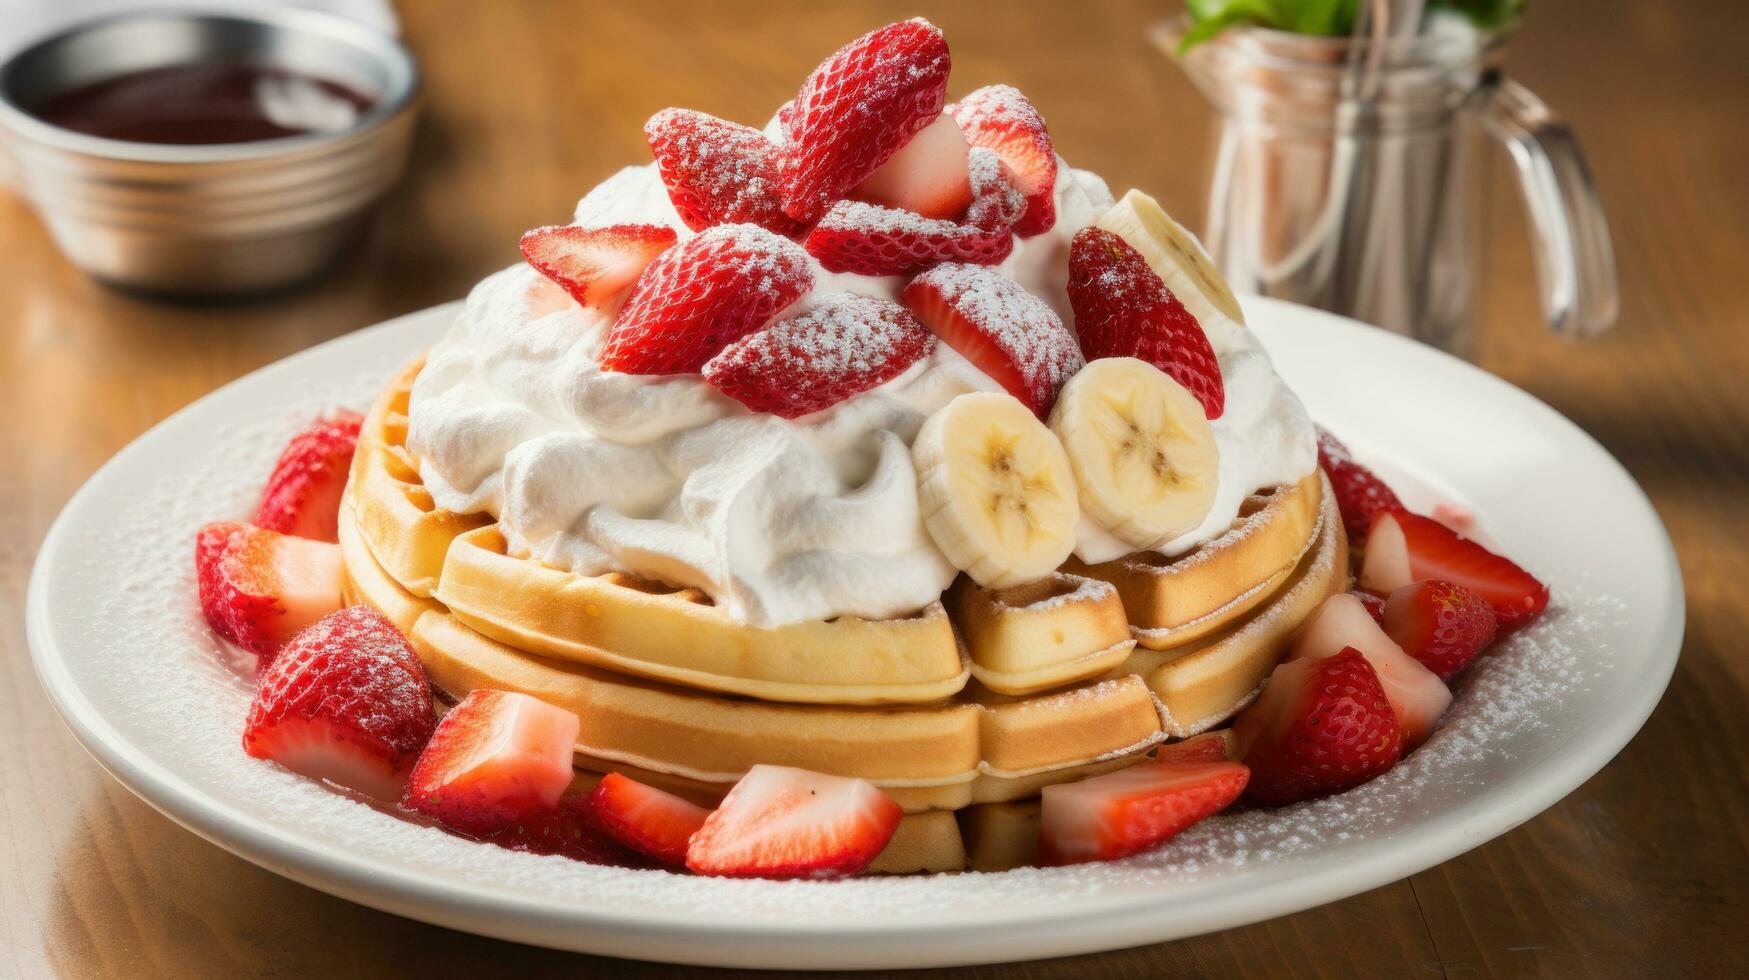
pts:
[1175, 256]
[1141, 447]
[996, 490]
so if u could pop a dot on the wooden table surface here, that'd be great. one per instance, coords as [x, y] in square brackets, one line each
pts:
[1641, 871]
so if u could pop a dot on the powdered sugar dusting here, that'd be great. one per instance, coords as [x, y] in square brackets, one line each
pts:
[1019, 324]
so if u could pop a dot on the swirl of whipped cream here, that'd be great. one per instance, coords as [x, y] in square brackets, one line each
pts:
[778, 520]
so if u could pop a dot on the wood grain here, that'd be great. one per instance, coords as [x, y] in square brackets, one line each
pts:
[1640, 872]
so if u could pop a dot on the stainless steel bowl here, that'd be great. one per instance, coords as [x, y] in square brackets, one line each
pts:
[214, 219]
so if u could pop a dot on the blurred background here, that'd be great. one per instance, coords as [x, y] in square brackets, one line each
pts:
[526, 105]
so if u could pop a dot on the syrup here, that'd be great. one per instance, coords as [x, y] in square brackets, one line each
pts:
[218, 102]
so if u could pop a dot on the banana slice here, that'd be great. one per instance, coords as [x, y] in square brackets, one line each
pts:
[996, 490]
[1141, 447]
[1175, 256]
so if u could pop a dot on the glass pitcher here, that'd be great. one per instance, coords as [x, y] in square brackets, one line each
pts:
[1342, 176]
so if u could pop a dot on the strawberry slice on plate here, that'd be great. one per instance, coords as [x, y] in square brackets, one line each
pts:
[567, 830]
[1000, 118]
[1404, 548]
[647, 820]
[1322, 725]
[703, 295]
[857, 109]
[872, 240]
[1444, 626]
[1123, 309]
[1360, 494]
[302, 497]
[258, 588]
[717, 172]
[844, 346]
[1131, 810]
[496, 758]
[779, 822]
[595, 265]
[1215, 746]
[1005, 331]
[1418, 696]
[345, 701]
[928, 176]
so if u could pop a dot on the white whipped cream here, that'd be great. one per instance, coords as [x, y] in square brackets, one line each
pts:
[779, 521]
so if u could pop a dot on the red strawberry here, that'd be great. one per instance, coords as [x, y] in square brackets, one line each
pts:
[496, 759]
[844, 346]
[1123, 309]
[927, 176]
[703, 295]
[346, 701]
[1440, 624]
[1417, 695]
[857, 109]
[1130, 810]
[1375, 605]
[1002, 119]
[595, 265]
[1359, 493]
[646, 819]
[786, 121]
[779, 822]
[1215, 746]
[1322, 725]
[717, 172]
[1405, 548]
[302, 497]
[1008, 333]
[878, 241]
[568, 830]
[258, 588]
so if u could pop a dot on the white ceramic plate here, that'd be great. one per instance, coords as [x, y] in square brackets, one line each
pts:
[120, 648]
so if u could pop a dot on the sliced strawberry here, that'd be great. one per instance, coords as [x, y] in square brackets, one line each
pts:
[857, 109]
[717, 172]
[786, 121]
[703, 295]
[1002, 119]
[1133, 809]
[1375, 605]
[1405, 548]
[844, 346]
[928, 175]
[1215, 746]
[1359, 492]
[496, 758]
[258, 588]
[302, 497]
[1321, 726]
[646, 819]
[1444, 626]
[1123, 309]
[595, 265]
[568, 829]
[1008, 333]
[346, 701]
[1418, 697]
[779, 822]
[872, 240]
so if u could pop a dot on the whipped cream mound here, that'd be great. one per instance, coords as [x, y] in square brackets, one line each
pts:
[779, 521]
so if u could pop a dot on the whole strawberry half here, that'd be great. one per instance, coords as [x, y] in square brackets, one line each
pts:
[1000, 118]
[258, 588]
[1321, 726]
[346, 701]
[1445, 626]
[857, 109]
[779, 822]
[718, 172]
[1360, 494]
[928, 176]
[872, 240]
[595, 265]
[1123, 309]
[647, 820]
[1121, 813]
[845, 345]
[703, 295]
[567, 829]
[1005, 331]
[496, 759]
[302, 496]
[1404, 548]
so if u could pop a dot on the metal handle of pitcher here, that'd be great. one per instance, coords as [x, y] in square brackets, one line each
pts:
[1574, 257]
